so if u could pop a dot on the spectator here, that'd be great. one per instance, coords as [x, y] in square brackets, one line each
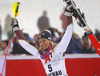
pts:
[36, 42]
[7, 29]
[97, 34]
[43, 22]
[74, 45]
[4, 44]
[64, 20]
[86, 48]
[0, 30]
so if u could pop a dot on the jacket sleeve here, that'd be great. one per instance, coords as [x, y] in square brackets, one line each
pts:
[24, 43]
[63, 44]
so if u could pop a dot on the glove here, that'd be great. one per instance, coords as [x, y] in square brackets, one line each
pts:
[69, 8]
[15, 25]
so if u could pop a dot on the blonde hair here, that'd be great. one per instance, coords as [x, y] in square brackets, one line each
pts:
[52, 44]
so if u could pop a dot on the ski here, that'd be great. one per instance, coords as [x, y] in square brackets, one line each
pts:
[82, 22]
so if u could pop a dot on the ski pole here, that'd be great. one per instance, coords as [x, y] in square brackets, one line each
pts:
[15, 9]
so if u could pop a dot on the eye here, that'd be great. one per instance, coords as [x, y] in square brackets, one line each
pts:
[44, 40]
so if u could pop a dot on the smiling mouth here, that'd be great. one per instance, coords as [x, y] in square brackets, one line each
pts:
[44, 46]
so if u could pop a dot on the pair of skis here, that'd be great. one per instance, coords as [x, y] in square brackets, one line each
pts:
[82, 23]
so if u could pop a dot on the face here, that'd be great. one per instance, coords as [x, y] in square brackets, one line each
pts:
[3, 45]
[36, 38]
[85, 40]
[44, 43]
[76, 36]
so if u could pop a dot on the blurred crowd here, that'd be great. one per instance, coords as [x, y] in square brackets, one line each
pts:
[77, 45]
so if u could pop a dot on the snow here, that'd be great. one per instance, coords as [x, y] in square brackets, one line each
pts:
[31, 10]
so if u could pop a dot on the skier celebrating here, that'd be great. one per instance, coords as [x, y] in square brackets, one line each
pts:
[50, 53]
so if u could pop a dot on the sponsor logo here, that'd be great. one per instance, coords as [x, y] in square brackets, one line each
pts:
[49, 38]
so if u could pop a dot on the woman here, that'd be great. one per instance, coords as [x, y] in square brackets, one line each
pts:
[50, 53]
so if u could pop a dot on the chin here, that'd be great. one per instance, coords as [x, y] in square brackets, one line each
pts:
[44, 48]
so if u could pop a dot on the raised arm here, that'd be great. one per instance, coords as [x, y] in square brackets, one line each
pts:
[62, 46]
[22, 40]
